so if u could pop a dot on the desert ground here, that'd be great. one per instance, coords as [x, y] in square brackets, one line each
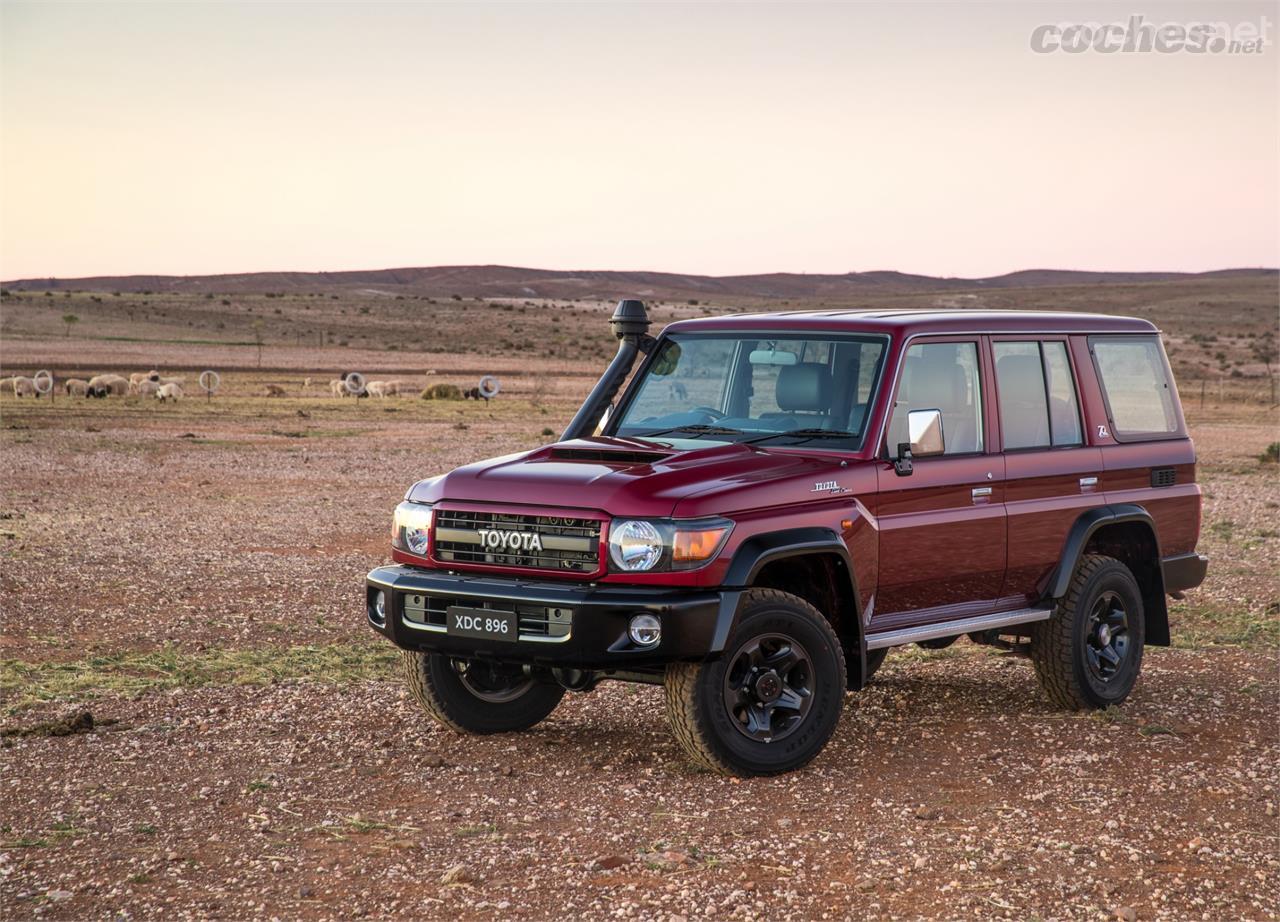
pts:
[198, 724]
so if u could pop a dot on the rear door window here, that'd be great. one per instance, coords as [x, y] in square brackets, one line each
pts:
[1136, 385]
[1024, 404]
[1038, 403]
[1064, 406]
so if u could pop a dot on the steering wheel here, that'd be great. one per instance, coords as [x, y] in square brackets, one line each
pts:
[714, 414]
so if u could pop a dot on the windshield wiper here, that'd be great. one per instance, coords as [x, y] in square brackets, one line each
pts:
[696, 428]
[806, 434]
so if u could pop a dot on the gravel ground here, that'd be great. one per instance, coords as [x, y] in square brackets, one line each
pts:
[951, 790]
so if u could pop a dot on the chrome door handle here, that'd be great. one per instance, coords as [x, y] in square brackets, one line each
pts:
[981, 492]
[1088, 484]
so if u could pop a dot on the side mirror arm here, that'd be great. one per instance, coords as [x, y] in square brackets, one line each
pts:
[902, 464]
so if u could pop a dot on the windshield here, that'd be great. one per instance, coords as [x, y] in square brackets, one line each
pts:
[775, 389]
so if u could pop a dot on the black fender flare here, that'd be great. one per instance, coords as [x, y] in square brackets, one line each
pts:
[1083, 529]
[760, 550]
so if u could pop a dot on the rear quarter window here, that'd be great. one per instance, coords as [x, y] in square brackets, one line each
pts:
[1136, 385]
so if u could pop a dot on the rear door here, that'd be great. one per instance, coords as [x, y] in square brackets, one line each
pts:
[942, 529]
[1051, 473]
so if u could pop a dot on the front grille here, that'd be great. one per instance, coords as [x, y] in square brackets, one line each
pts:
[568, 545]
[534, 620]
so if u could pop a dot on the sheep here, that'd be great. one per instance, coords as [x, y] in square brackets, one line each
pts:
[115, 384]
[338, 387]
[275, 390]
[139, 376]
[170, 391]
[98, 392]
[146, 388]
[377, 388]
[76, 387]
[6, 384]
[24, 386]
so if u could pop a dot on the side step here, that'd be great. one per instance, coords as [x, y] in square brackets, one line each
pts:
[908, 635]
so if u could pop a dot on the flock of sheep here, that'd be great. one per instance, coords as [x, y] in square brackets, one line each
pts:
[350, 385]
[143, 383]
[152, 384]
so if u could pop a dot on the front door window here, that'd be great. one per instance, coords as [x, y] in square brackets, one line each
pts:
[945, 377]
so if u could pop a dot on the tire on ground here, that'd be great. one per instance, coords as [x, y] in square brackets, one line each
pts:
[1061, 647]
[445, 695]
[696, 692]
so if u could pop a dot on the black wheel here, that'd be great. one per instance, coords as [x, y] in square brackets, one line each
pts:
[771, 702]
[476, 697]
[1089, 653]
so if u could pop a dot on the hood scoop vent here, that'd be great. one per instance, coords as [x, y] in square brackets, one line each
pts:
[605, 456]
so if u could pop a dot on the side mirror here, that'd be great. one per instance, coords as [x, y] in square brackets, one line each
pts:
[924, 428]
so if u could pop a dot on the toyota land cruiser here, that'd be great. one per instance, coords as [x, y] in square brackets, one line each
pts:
[777, 500]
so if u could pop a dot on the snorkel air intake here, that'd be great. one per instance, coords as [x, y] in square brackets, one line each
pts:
[630, 324]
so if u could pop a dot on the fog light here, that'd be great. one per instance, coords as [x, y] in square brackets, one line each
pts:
[645, 630]
[379, 613]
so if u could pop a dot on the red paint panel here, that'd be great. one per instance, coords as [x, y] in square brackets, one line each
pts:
[1176, 509]
[1097, 429]
[938, 546]
[1043, 498]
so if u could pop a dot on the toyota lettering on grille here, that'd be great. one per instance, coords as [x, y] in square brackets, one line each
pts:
[509, 540]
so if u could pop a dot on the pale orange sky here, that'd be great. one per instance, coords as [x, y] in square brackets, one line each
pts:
[714, 138]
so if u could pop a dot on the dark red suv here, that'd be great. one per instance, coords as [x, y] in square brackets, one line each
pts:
[776, 500]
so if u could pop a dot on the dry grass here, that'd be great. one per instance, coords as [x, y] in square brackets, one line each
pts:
[129, 674]
[1219, 329]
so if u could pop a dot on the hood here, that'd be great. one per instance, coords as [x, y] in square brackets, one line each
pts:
[635, 477]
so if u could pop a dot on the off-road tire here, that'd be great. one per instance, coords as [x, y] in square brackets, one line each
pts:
[695, 692]
[438, 687]
[1058, 644]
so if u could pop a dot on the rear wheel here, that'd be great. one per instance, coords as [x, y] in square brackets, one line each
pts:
[476, 697]
[771, 702]
[1089, 653]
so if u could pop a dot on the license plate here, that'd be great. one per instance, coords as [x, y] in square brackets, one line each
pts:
[482, 623]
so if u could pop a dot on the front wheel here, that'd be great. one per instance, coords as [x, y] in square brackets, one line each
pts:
[771, 702]
[1089, 653]
[477, 697]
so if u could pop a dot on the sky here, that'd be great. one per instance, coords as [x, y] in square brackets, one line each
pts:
[716, 138]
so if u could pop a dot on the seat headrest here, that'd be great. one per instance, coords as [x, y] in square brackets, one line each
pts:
[934, 385]
[804, 387]
[1021, 378]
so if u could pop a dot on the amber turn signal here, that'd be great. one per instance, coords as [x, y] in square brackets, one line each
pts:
[696, 545]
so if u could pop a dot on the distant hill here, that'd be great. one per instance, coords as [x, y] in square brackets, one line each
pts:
[515, 282]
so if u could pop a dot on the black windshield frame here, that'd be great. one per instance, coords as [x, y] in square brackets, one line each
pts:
[782, 438]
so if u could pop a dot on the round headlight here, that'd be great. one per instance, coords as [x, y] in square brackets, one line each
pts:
[380, 607]
[635, 545]
[411, 528]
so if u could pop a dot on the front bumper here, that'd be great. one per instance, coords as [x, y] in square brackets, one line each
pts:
[694, 624]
